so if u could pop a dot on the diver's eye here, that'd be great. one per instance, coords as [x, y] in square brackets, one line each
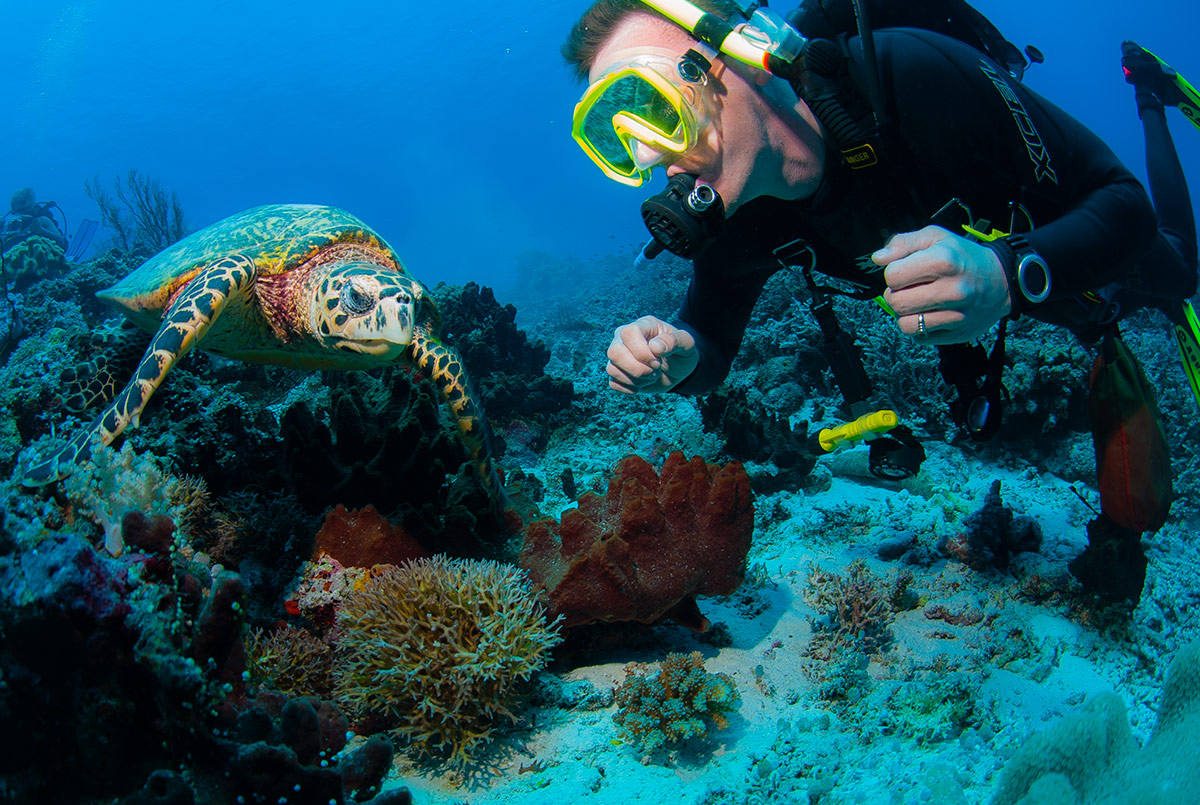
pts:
[356, 302]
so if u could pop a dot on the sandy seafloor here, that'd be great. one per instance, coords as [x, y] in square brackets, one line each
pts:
[1025, 664]
[1026, 653]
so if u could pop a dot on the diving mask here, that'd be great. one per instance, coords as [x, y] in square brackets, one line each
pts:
[642, 110]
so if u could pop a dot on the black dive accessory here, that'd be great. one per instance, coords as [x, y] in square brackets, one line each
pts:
[683, 218]
[1028, 275]
[897, 455]
[976, 377]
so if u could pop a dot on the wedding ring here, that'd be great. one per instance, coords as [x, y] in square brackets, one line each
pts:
[921, 323]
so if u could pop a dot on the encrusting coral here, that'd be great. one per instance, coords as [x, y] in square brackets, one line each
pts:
[677, 702]
[436, 648]
[641, 552]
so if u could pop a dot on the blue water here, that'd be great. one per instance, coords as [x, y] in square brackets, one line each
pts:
[444, 126]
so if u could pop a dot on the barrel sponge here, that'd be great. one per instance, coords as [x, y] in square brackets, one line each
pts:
[1092, 759]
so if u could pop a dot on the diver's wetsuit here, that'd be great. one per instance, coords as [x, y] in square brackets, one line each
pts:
[961, 129]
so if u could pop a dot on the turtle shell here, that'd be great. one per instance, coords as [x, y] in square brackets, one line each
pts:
[277, 237]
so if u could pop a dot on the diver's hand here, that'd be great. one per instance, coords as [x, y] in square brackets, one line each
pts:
[957, 285]
[650, 356]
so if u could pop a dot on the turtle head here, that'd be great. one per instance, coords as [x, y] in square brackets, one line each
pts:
[361, 307]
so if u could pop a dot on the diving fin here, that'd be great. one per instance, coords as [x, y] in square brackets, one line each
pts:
[83, 238]
[1187, 335]
[1144, 69]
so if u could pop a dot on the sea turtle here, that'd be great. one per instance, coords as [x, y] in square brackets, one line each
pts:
[289, 284]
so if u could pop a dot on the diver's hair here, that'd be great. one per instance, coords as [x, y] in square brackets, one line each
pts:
[22, 200]
[598, 23]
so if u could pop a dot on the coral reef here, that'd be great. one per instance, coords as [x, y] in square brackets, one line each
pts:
[118, 669]
[116, 483]
[855, 611]
[1092, 757]
[437, 647]
[387, 443]
[994, 535]
[510, 372]
[641, 552]
[95, 647]
[752, 433]
[34, 258]
[291, 660]
[364, 537]
[139, 211]
[680, 700]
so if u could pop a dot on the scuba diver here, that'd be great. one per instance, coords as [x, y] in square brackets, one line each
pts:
[959, 198]
[26, 218]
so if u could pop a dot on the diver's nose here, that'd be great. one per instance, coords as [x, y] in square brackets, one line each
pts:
[646, 156]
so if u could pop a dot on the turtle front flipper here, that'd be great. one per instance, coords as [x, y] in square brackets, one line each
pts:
[446, 369]
[185, 322]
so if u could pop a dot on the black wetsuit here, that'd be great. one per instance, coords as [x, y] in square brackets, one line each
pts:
[960, 129]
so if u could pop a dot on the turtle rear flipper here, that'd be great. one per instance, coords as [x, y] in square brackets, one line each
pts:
[114, 354]
[185, 322]
[445, 367]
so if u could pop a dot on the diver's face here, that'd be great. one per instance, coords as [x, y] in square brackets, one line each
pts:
[736, 153]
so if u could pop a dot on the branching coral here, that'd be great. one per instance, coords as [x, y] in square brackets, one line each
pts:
[141, 213]
[855, 611]
[677, 702]
[291, 660]
[438, 646]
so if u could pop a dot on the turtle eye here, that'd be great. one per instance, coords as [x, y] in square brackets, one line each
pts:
[354, 301]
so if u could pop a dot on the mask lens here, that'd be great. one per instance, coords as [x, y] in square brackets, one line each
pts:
[635, 96]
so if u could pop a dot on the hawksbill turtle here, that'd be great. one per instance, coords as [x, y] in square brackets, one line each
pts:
[296, 285]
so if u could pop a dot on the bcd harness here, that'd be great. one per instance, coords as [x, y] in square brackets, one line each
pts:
[845, 96]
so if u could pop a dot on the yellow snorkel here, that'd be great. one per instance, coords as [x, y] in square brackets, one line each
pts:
[754, 42]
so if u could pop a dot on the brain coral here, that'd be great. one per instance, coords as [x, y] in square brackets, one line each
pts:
[436, 647]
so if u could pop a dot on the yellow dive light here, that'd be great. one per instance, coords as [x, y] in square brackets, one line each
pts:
[867, 425]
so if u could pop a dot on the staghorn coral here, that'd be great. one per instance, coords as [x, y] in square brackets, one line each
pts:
[436, 648]
[1092, 757]
[643, 551]
[855, 611]
[678, 702]
[291, 660]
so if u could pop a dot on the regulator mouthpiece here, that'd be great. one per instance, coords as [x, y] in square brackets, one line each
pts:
[683, 218]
